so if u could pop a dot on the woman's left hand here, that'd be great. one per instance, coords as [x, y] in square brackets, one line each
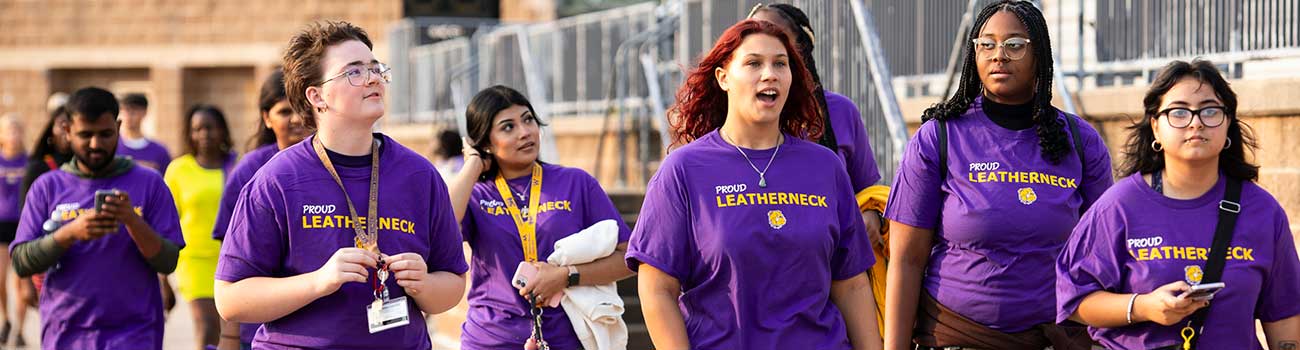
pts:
[410, 271]
[551, 281]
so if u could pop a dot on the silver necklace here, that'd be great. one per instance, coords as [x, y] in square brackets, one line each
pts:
[762, 175]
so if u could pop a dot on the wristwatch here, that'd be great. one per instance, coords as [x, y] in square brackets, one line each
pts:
[573, 275]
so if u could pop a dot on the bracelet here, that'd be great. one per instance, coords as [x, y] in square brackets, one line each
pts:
[1129, 315]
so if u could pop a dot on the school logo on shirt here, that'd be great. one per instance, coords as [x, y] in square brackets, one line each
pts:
[1193, 274]
[1027, 195]
[776, 219]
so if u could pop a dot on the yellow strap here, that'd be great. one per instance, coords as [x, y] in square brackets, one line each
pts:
[527, 225]
[368, 238]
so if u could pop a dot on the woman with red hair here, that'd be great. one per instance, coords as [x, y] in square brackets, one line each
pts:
[750, 236]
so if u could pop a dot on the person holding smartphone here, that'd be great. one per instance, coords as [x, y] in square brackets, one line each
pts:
[1127, 268]
[101, 228]
[512, 209]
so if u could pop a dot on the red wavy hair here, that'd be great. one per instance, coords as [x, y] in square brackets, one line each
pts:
[701, 104]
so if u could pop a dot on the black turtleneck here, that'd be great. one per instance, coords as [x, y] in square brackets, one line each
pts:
[1013, 117]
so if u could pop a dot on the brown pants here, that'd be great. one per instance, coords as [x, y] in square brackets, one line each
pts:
[938, 326]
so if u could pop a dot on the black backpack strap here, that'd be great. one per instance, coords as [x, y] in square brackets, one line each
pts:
[942, 128]
[1075, 139]
[1229, 207]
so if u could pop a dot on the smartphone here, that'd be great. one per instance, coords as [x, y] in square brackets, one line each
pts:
[1203, 292]
[524, 273]
[527, 272]
[101, 196]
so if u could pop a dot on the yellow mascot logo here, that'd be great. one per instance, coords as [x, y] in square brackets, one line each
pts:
[1027, 195]
[1193, 274]
[776, 219]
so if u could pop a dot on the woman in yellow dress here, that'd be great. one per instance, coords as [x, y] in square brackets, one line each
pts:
[196, 180]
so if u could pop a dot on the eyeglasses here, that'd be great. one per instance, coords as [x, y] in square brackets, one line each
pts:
[1013, 48]
[1182, 117]
[358, 75]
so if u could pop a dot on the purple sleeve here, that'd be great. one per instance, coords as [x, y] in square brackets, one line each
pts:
[917, 197]
[860, 162]
[164, 156]
[161, 213]
[1097, 175]
[597, 207]
[34, 212]
[229, 195]
[255, 243]
[853, 253]
[1090, 261]
[446, 252]
[1281, 288]
[662, 236]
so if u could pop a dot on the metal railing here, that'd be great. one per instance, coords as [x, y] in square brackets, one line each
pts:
[625, 64]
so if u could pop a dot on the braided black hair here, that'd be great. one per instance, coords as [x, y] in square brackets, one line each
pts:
[1050, 129]
[801, 31]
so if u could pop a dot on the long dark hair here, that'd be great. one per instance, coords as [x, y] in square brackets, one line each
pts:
[1140, 157]
[478, 119]
[214, 112]
[801, 30]
[1050, 129]
[45, 145]
[272, 93]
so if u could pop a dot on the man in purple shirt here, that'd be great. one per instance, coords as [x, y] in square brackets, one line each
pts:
[144, 151]
[100, 254]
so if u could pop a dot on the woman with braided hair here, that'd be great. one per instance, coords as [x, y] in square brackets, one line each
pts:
[843, 132]
[986, 196]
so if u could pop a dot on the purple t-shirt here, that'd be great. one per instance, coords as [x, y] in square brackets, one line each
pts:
[102, 294]
[151, 154]
[755, 264]
[291, 217]
[1135, 240]
[235, 181]
[11, 181]
[854, 143]
[498, 317]
[1004, 217]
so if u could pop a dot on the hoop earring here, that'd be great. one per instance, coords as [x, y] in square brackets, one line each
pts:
[1229, 144]
[1156, 146]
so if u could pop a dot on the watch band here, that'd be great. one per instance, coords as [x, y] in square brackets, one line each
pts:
[573, 275]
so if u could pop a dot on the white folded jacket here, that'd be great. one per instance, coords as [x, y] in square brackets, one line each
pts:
[595, 311]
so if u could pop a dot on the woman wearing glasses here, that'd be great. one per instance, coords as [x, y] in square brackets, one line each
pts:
[986, 195]
[1149, 238]
[343, 240]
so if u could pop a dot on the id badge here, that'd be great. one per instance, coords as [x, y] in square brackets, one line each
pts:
[383, 315]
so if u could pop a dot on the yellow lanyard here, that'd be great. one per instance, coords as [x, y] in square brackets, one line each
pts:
[367, 238]
[527, 225]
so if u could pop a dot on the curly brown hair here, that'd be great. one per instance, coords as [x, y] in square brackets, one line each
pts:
[302, 59]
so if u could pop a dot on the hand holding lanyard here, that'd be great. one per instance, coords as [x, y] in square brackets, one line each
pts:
[383, 313]
[527, 227]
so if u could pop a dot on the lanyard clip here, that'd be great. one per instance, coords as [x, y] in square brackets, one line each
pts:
[1188, 334]
[536, 341]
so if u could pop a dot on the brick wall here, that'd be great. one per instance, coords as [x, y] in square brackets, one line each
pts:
[176, 52]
